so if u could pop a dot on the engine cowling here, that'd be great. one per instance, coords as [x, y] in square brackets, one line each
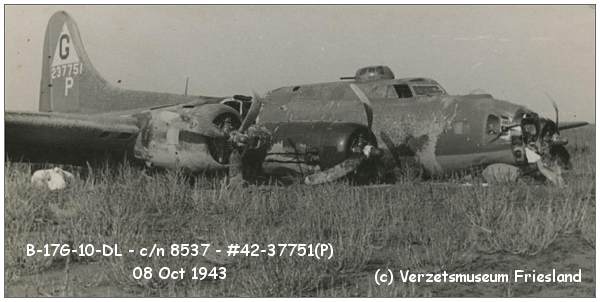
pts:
[190, 138]
[318, 144]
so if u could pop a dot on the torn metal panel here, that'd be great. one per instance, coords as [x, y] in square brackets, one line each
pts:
[415, 129]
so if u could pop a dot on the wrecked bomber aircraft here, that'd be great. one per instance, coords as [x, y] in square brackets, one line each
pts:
[322, 131]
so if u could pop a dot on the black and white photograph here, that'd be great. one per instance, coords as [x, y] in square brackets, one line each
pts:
[315, 151]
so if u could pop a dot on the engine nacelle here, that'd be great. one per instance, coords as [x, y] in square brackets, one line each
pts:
[306, 146]
[186, 137]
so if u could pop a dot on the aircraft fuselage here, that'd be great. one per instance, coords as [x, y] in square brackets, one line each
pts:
[442, 133]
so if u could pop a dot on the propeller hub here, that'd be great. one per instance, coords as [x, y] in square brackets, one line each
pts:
[238, 138]
[371, 151]
[559, 141]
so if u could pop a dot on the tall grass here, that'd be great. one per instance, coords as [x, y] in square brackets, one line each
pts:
[420, 226]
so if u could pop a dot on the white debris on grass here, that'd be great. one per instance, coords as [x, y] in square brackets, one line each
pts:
[51, 179]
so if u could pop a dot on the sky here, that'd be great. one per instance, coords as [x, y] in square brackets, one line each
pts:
[516, 53]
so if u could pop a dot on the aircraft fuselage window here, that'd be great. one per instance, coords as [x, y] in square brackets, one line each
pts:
[403, 91]
[427, 90]
[493, 125]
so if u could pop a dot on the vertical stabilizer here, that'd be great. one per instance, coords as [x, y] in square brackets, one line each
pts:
[70, 83]
[67, 73]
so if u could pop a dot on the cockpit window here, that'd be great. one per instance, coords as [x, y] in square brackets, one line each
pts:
[427, 90]
[403, 91]
[492, 125]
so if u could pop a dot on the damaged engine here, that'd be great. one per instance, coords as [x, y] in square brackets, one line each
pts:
[537, 143]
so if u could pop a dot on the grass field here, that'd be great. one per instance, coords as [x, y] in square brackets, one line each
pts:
[417, 225]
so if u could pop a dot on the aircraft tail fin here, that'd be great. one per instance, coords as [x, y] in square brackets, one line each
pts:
[67, 73]
[71, 84]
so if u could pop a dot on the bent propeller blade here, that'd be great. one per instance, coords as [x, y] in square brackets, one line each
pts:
[555, 111]
[252, 113]
[334, 173]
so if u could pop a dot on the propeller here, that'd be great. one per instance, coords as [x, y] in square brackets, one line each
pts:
[252, 112]
[564, 125]
[239, 138]
[555, 111]
[352, 163]
[556, 121]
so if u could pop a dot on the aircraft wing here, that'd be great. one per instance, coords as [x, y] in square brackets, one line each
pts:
[67, 138]
[569, 125]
